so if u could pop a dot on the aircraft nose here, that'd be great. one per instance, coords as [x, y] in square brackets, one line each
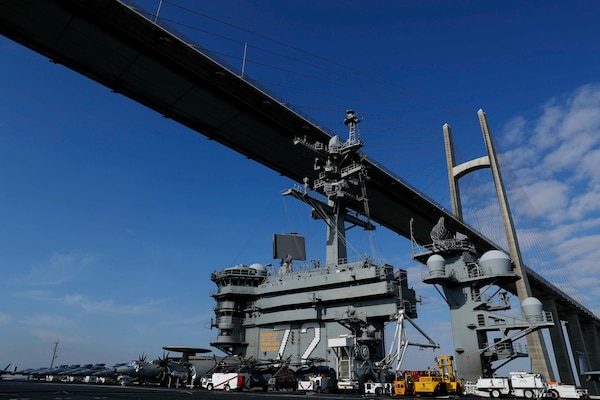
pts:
[123, 369]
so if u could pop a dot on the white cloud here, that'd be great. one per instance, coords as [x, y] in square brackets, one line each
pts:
[558, 162]
[561, 233]
[513, 131]
[520, 159]
[5, 318]
[49, 327]
[583, 205]
[34, 295]
[544, 134]
[48, 320]
[589, 166]
[109, 307]
[546, 197]
[584, 248]
[568, 155]
[61, 268]
[563, 119]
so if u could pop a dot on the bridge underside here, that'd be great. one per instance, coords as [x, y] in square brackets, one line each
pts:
[119, 48]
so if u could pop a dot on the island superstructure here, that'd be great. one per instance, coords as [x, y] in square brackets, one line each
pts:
[291, 310]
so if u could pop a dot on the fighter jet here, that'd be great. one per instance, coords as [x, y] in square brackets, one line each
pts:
[140, 371]
[49, 373]
[5, 371]
[68, 374]
[90, 370]
[80, 374]
[106, 374]
[25, 371]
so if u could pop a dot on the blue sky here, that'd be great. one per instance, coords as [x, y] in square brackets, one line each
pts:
[113, 217]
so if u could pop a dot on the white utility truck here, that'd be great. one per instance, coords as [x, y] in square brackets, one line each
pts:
[528, 385]
[226, 381]
[315, 383]
[560, 390]
[379, 388]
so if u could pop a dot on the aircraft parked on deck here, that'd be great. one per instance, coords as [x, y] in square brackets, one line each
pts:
[164, 371]
[5, 371]
[167, 371]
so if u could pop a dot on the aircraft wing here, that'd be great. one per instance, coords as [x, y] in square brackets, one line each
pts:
[5, 371]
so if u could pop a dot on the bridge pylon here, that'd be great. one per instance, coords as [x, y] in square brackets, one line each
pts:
[538, 352]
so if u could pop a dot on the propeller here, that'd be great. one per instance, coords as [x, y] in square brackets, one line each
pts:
[164, 361]
[173, 369]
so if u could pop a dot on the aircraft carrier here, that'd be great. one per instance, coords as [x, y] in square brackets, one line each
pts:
[333, 312]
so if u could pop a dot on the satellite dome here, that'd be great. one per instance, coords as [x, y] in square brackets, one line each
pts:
[335, 141]
[260, 269]
[532, 309]
[436, 265]
[495, 262]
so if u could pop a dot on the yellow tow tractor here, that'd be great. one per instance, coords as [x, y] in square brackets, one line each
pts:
[404, 384]
[439, 380]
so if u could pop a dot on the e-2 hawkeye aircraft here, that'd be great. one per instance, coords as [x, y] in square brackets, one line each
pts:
[168, 371]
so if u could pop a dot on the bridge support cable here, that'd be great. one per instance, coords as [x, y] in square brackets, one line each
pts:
[538, 352]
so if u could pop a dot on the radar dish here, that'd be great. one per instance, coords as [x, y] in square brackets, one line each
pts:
[289, 246]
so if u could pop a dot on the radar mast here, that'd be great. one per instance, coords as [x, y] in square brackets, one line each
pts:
[340, 177]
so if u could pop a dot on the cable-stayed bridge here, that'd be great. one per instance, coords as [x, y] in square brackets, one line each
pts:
[119, 47]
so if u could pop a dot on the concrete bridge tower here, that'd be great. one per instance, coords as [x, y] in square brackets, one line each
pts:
[574, 337]
[538, 353]
[465, 275]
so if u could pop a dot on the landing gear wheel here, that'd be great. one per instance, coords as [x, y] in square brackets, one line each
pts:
[495, 393]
